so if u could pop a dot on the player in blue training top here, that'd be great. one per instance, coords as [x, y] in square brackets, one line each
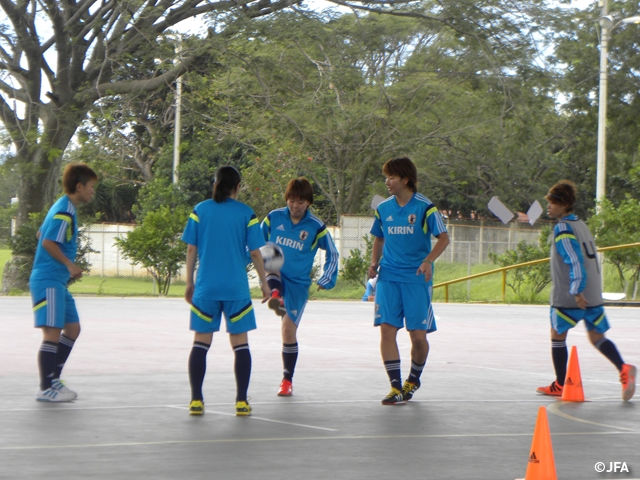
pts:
[370, 290]
[53, 306]
[402, 230]
[576, 291]
[218, 234]
[299, 234]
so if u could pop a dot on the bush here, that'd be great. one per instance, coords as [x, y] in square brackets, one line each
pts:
[527, 282]
[355, 267]
[156, 244]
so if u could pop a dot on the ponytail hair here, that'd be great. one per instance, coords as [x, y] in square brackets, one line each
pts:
[227, 180]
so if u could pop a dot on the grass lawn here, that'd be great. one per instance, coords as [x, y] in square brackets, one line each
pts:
[483, 289]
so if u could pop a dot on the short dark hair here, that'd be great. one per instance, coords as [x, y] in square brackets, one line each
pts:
[75, 173]
[402, 167]
[563, 193]
[227, 179]
[299, 188]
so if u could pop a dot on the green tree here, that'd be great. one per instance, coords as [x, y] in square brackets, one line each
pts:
[23, 246]
[619, 225]
[156, 244]
[527, 282]
[355, 267]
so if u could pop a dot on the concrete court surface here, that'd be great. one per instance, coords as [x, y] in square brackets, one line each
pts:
[473, 418]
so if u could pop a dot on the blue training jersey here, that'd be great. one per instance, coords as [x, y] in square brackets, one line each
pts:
[222, 232]
[407, 235]
[571, 253]
[300, 242]
[61, 226]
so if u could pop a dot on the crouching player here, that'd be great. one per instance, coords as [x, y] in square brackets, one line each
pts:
[299, 234]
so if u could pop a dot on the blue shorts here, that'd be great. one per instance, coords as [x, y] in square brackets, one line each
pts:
[399, 302]
[562, 319]
[295, 299]
[53, 307]
[206, 315]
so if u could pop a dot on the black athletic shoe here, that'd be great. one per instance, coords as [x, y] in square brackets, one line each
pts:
[395, 397]
[409, 388]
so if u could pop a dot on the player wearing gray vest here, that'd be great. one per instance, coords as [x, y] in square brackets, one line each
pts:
[576, 292]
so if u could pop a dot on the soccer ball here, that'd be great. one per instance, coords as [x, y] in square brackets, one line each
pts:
[273, 257]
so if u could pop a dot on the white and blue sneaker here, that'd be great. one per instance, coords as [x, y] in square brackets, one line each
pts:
[57, 393]
[59, 386]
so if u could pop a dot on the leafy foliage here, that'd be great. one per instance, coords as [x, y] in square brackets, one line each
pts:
[619, 225]
[527, 282]
[355, 267]
[24, 243]
[156, 245]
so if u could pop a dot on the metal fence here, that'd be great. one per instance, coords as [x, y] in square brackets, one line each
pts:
[471, 243]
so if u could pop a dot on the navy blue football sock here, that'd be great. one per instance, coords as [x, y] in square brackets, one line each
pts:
[197, 368]
[65, 345]
[393, 370]
[242, 369]
[46, 363]
[289, 359]
[609, 350]
[559, 355]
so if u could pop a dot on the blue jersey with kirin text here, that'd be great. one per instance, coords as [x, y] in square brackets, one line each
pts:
[60, 226]
[222, 232]
[300, 242]
[407, 233]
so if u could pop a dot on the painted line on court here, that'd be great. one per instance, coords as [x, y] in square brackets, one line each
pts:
[253, 417]
[555, 409]
[298, 439]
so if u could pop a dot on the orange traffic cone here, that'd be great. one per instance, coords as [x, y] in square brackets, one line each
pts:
[572, 391]
[541, 464]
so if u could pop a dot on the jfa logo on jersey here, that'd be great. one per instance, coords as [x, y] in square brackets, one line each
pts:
[304, 235]
[412, 219]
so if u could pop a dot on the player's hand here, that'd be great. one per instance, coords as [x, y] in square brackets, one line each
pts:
[320, 287]
[373, 271]
[426, 270]
[74, 271]
[581, 301]
[266, 292]
[188, 293]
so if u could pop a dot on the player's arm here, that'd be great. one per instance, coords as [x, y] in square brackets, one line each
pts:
[56, 253]
[265, 227]
[192, 256]
[376, 255]
[569, 249]
[330, 271]
[434, 226]
[258, 262]
[426, 267]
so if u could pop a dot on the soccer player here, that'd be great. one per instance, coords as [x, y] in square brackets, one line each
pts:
[402, 258]
[218, 233]
[53, 306]
[370, 291]
[576, 292]
[299, 234]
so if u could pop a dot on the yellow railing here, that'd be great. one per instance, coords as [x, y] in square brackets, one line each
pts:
[504, 271]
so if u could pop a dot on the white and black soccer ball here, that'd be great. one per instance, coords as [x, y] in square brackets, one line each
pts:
[273, 257]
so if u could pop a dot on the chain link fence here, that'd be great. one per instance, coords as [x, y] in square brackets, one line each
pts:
[468, 253]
